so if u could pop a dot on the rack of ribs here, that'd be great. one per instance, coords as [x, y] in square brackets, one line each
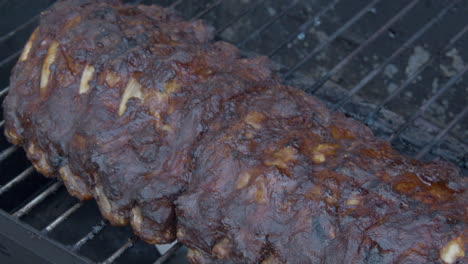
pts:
[182, 138]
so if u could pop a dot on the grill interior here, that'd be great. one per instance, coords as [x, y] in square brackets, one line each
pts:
[399, 66]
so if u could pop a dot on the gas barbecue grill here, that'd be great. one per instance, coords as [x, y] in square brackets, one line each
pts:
[399, 66]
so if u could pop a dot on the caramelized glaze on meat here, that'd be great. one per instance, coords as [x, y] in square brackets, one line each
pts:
[179, 136]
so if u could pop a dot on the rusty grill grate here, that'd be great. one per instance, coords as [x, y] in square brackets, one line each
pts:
[398, 66]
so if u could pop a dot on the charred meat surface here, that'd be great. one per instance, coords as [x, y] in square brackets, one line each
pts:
[181, 137]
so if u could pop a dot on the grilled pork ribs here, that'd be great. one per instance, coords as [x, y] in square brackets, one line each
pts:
[182, 138]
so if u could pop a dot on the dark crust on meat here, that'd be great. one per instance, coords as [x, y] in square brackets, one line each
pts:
[176, 134]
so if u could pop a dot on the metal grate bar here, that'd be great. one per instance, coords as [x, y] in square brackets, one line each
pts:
[267, 24]
[438, 127]
[426, 105]
[332, 37]
[120, 251]
[176, 3]
[458, 35]
[414, 75]
[239, 16]
[19, 28]
[10, 58]
[7, 152]
[303, 27]
[168, 254]
[4, 91]
[2, 122]
[316, 86]
[441, 134]
[395, 54]
[62, 217]
[38, 199]
[95, 230]
[23, 175]
[207, 9]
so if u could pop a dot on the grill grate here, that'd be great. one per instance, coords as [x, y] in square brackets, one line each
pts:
[417, 132]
